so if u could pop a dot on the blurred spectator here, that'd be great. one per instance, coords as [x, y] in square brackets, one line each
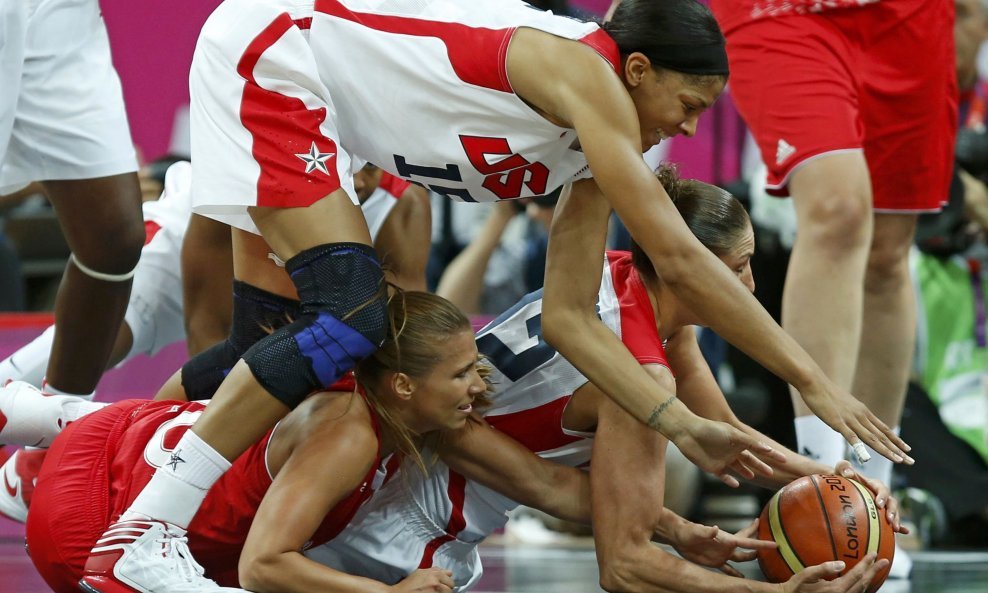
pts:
[504, 261]
[948, 400]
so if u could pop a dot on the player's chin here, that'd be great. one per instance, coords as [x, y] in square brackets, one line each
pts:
[457, 421]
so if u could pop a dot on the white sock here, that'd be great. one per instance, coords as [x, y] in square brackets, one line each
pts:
[30, 363]
[30, 418]
[818, 441]
[52, 390]
[178, 488]
[877, 468]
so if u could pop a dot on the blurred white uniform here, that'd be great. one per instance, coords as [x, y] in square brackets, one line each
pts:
[61, 107]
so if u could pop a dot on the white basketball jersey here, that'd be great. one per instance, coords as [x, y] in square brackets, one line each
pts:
[437, 520]
[421, 90]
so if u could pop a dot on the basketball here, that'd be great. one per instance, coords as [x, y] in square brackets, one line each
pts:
[822, 518]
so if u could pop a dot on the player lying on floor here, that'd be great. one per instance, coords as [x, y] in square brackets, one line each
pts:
[301, 484]
[544, 403]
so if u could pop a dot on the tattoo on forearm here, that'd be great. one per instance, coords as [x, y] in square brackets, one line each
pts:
[653, 420]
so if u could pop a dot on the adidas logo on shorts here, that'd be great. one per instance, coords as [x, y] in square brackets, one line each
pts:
[783, 151]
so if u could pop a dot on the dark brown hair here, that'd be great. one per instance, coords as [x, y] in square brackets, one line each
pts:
[716, 217]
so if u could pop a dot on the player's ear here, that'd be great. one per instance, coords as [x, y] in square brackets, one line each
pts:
[636, 66]
[402, 385]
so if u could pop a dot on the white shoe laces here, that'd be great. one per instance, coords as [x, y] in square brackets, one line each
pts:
[184, 565]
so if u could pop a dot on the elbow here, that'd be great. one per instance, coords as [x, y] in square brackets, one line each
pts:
[553, 320]
[677, 266]
[559, 320]
[258, 574]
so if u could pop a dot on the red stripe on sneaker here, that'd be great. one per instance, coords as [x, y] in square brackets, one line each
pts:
[11, 488]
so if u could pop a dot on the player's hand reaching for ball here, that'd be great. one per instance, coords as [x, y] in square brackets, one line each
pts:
[713, 547]
[848, 416]
[883, 496]
[857, 580]
[725, 451]
[426, 580]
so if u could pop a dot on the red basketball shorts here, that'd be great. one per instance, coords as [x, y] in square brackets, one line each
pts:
[879, 78]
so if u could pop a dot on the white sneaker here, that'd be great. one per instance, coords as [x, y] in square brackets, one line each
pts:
[19, 475]
[145, 556]
[902, 564]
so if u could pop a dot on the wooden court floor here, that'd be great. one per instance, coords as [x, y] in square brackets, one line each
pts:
[537, 569]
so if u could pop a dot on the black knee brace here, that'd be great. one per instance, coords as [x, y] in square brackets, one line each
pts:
[256, 313]
[344, 319]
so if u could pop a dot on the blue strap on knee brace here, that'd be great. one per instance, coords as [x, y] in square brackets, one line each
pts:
[332, 347]
[344, 319]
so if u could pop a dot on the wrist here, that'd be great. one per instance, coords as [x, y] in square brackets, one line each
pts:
[669, 528]
[807, 375]
[672, 419]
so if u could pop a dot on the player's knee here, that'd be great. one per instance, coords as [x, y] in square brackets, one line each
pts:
[344, 319]
[258, 313]
[837, 224]
[117, 256]
[346, 281]
[887, 272]
[203, 373]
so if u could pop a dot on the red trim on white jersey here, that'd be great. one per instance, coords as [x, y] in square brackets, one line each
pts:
[538, 429]
[639, 331]
[470, 49]
[457, 494]
[282, 127]
[605, 45]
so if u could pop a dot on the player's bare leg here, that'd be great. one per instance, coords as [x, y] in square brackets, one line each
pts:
[888, 334]
[207, 276]
[102, 222]
[823, 297]
[887, 340]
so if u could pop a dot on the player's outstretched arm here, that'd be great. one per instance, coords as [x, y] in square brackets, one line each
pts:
[702, 395]
[321, 469]
[627, 485]
[608, 127]
[570, 324]
[492, 458]
[700, 392]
